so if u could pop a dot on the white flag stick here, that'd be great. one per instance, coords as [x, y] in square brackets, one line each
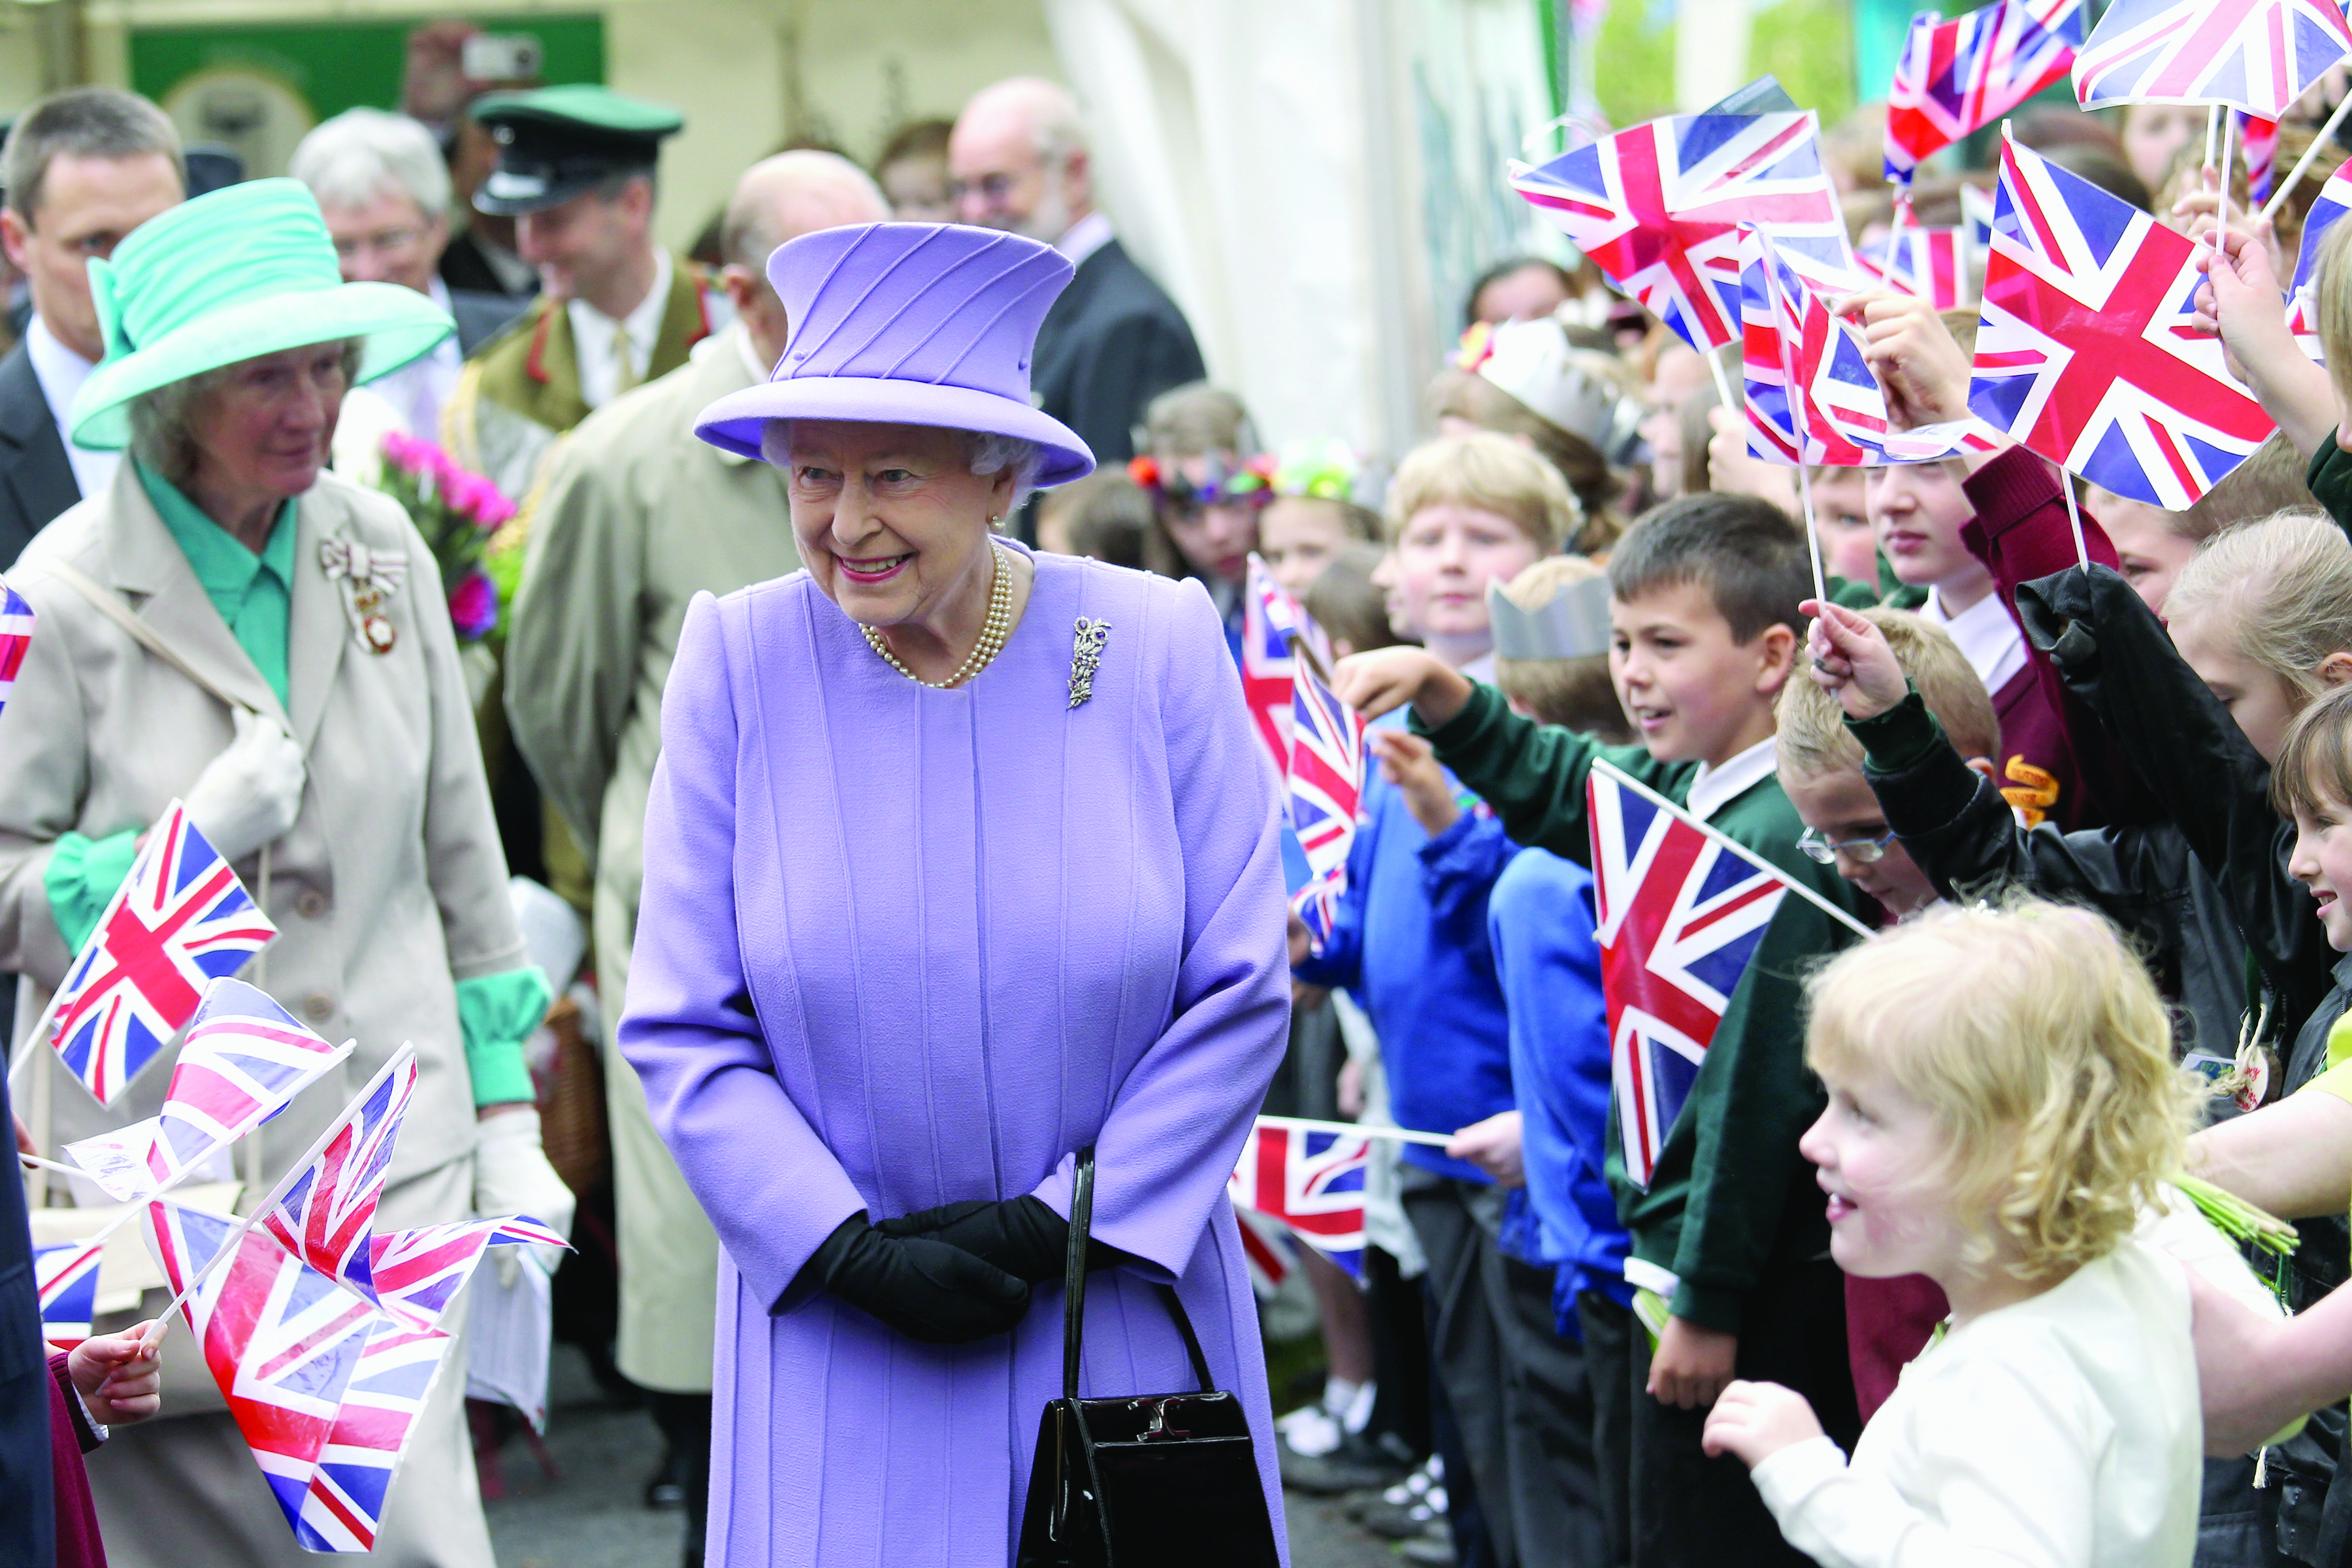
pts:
[1722, 381]
[1813, 531]
[1895, 242]
[2212, 132]
[1799, 397]
[39, 1037]
[2327, 134]
[2074, 516]
[1802, 892]
[1356, 1130]
[2229, 129]
[228, 1248]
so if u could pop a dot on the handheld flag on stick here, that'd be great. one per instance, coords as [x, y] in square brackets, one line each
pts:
[415, 1275]
[1955, 77]
[1327, 791]
[16, 637]
[1658, 207]
[2261, 139]
[1312, 1181]
[342, 1507]
[1269, 621]
[243, 1061]
[2258, 56]
[180, 920]
[1932, 263]
[1682, 911]
[2086, 352]
[2327, 209]
[65, 1275]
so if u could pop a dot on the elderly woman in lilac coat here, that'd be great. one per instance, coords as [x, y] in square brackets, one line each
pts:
[959, 858]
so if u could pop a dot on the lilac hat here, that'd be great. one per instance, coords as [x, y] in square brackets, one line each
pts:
[909, 323]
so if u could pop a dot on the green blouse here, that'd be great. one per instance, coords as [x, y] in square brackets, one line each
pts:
[255, 596]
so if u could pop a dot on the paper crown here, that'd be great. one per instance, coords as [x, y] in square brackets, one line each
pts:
[1535, 362]
[1574, 625]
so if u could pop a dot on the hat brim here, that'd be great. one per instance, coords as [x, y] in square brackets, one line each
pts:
[734, 423]
[395, 323]
[554, 195]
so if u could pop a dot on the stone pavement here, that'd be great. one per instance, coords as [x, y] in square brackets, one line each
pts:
[592, 1516]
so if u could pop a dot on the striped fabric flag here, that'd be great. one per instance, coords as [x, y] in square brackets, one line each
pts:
[1658, 208]
[179, 922]
[1267, 615]
[244, 1060]
[65, 1274]
[1311, 1182]
[1932, 263]
[1955, 77]
[2334, 200]
[1327, 791]
[2087, 351]
[326, 1216]
[2257, 55]
[415, 1275]
[2260, 139]
[16, 637]
[350, 1481]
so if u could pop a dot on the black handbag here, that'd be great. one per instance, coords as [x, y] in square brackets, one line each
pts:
[1158, 1480]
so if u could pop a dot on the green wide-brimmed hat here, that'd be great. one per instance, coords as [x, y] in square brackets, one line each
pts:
[241, 272]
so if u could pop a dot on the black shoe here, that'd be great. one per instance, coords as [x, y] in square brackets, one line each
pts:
[666, 1489]
[1357, 1464]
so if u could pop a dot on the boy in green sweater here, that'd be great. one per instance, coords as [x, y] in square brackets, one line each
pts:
[1729, 1239]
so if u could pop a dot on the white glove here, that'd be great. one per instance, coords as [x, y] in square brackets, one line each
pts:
[511, 1176]
[249, 795]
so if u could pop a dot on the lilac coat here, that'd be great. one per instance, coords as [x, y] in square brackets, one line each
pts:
[901, 947]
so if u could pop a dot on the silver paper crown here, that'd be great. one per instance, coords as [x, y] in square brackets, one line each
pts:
[1574, 625]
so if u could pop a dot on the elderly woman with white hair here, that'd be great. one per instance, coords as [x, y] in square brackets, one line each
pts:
[384, 188]
[963, 905]
[228, 626]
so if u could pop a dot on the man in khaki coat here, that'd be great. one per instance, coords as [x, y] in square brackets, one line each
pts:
[636, 518]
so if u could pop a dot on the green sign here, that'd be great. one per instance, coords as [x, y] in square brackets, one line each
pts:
[334, 66]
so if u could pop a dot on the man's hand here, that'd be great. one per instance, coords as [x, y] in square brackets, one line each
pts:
[1917, 360]
[1731, 467]
[1692, 1364]
[118, 1376]
[1492, 1145]
[1387, 678]
[1410, 763]
[1851, 660]
[1757, 1420]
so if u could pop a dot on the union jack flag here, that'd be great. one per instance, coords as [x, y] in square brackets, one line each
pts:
[1658, 208]
[281, 1341]
[1800, 361]
[2261, 139]
[1681, 915]
[2258, 56]
[1312, 1181]
[1327, 791]
[342, 1507]
[416, 1274]
[325, 1214]
[1976, 217]
[179, 922]
[2334, 200]
[1932, 263]
[1270, 619]
[243, 1061]
[1955, 77]
[65, 1275]
[2086, 352]
[16, 637]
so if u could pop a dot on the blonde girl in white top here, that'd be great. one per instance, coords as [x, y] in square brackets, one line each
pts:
[2002, 1110]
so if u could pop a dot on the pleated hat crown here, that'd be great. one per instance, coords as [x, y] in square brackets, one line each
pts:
[909, 323]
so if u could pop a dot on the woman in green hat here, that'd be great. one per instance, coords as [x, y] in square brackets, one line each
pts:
[232, 625]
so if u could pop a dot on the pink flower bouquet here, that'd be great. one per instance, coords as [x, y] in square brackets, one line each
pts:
[457, 510]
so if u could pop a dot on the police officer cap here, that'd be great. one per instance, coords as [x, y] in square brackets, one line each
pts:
[556, 142]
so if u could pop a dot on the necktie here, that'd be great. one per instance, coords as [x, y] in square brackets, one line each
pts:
[625, 372]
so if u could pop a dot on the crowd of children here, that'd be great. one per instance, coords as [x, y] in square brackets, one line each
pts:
[1910, 1277]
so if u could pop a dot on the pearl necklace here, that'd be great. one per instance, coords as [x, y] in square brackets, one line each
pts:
[993, 634]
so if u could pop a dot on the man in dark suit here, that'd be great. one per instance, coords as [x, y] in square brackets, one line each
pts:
[381, 181]
[82, 169]
[1114, 340]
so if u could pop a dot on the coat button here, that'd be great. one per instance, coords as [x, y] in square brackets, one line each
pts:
[317, 1007]
[311, 904]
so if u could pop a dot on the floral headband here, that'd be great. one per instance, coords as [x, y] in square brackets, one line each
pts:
[1323, 469]
[1252, 481]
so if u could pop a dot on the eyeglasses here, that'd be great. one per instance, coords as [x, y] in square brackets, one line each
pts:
[383, 242]
[1862, 851]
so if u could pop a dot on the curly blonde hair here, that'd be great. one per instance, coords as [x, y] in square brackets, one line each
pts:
[2049, 1071]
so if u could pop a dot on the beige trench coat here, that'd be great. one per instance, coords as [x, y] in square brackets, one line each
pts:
[637, 517]
[391, 885]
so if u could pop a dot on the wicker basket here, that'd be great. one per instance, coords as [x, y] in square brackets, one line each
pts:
[571, 1105]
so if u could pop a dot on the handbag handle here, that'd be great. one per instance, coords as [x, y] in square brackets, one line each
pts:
[1074, 1287]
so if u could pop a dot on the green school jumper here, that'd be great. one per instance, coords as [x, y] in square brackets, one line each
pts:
[1732, 1201]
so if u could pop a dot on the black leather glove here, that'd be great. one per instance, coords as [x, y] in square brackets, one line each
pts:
[2056, 613]
[1021, 1236]
[926, 1290]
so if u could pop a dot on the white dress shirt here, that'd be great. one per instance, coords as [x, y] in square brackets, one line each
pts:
[2062, 1432]
[1713, 788]
[417, 390]
[1987, 634]
[597, 338]
[61, 371]
[1084, 237]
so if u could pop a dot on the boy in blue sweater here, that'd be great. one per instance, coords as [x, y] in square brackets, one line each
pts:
[1410, 943]
[1551, 641]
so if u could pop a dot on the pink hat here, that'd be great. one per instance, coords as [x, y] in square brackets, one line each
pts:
[909, 323]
